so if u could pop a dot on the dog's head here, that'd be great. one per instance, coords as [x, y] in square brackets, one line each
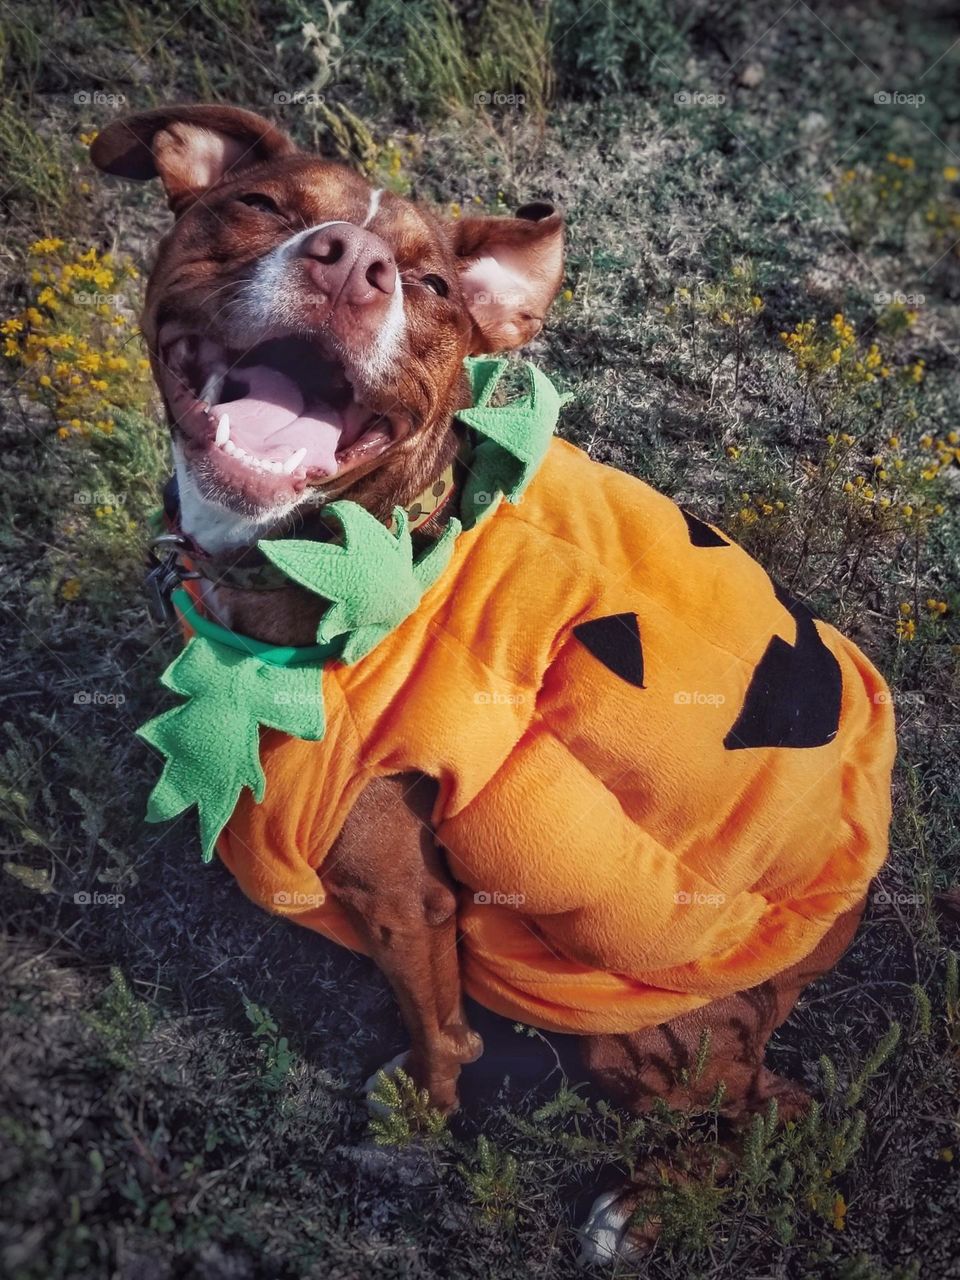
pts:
[307, 330]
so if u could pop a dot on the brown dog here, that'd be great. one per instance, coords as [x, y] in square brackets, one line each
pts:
[352, 309]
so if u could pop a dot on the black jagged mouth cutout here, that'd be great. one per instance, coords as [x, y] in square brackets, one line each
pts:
[795, 693]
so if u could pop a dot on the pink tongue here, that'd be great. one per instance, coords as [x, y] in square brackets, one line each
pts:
[271, 420]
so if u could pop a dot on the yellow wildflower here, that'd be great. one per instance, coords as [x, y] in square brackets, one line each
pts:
[839, 1213]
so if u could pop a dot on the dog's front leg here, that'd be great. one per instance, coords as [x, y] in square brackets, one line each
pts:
[388, 874]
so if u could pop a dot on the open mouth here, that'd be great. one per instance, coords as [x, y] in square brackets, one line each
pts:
[271, 420]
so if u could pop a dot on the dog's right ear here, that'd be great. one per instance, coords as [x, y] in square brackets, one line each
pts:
[189, 148]
[510, 271]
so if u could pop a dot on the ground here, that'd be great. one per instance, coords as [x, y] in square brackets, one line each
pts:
[759, 317]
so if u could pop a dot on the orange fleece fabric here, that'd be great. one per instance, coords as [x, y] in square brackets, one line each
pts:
[660, 780]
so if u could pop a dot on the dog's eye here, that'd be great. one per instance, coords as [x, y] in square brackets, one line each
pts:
[257, 200]
[437, 284]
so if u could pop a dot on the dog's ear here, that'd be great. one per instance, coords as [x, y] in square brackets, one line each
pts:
[189, 148]
[510, 271]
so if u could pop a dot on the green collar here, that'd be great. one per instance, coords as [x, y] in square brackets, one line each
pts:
[234, 684]
[275, 655]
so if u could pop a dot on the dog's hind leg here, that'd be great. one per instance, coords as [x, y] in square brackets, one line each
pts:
[388, 874]
[659, 1062]
[662, 1062]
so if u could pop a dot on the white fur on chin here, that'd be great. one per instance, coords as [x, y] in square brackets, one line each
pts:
[213, 526]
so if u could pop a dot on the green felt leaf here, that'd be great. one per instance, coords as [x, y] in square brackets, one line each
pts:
[212, 741]
[432, 563]
[515, 438]
[369, 577]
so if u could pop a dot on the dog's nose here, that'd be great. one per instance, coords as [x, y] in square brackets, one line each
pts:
[350, 264]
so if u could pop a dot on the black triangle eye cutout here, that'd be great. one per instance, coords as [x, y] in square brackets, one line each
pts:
[794, 694]
[615, 641]
[701, 535]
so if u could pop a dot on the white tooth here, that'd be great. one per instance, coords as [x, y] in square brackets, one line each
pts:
[223, 430]
[242, 453]
[232, 449]
[292, 462]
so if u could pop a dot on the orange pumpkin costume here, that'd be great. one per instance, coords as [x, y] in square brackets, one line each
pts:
[660, 780]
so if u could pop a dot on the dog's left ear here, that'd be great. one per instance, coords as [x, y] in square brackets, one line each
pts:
[190, 148]
[510, 271]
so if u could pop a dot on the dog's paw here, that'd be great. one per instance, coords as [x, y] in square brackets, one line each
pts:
[374, 1105]
[607, 1236]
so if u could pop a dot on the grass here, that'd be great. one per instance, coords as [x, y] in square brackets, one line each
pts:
[180, 1073]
